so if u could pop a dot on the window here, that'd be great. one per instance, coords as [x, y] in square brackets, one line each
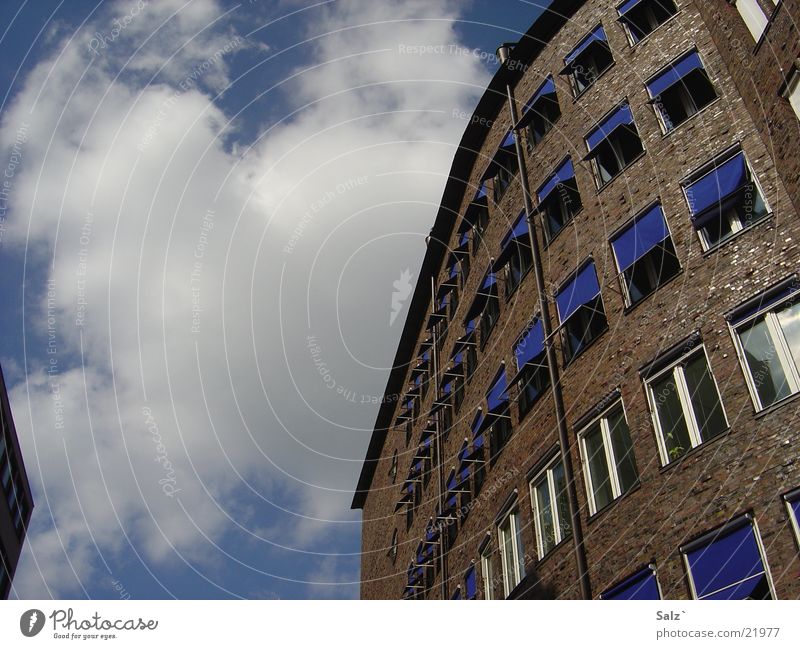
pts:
[645, 255]
[641, 585]
[580, 311]
[393, 547]
[393, 467]
[613, 144]
[641, 17]
[515, 254]
[608, 461]
[533, 376]
[503, 167]
[680, 90]
[485, 306]
[540, 113]
[497, 419]
[13, 486]
[753, 16]
[728, 563]
[511, 553]
[550, 507]
[724, 198]
[792, 91]
[559, 199]
[486, 573]
[489, 318]
[588, 60]
[767, 335]
[792, 501]
[686, 407]
[481, 223]
[470, 583]
[5, 572]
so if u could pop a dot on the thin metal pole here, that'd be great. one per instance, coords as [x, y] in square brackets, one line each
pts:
[443, 549]
[552, 362]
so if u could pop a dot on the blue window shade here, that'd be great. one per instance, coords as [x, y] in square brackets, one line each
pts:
[561, 175]
[729, 567]
[794, 505]
[581, 290]
[487, 289]
[598, 35]
[471, 583]
[530, 345]
[676, 71]
[641, 237]
[620, 117]
[476, 422]
[496, 399]
[547, 88]
[506, 146]
[516, 236]
[625, 7]
[716, 186]
[642, 585]
[463, 240]
[456, 593]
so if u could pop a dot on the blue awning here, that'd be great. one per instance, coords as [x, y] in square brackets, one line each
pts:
[641, 585]
[476, 422]
[675, 71]
[471, 584]
[644, 234]
[714, 187]
[561, 175]
[795, 507]
[506, 147]
[620, 117]
[548, 87]
[487, 289]
[581, 290]
[496, 400]
[732, 558]
[517, 235]
[530, 345]
[596, 36]
[625, 7]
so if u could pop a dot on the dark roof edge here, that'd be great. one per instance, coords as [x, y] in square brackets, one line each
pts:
[490, 105]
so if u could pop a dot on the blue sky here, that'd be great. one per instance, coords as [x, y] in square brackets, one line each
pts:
[207, 202]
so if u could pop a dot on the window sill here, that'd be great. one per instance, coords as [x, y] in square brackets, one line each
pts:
[669, 133]
[576, 98]
[666, 22]
[715, 248]
[552, 551]
[621, 172]
[613, 503]
[758, 414]
[696, 450]
[586, 347]
[548, 241]
[632, 307]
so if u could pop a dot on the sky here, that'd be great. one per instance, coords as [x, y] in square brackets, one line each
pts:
[216, 214]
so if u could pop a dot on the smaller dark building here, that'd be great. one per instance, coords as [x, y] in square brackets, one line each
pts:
[17, 502]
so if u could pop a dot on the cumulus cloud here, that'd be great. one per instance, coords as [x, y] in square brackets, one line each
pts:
[188, 281]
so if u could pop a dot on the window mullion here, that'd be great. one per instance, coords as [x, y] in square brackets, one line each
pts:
[783, 352]
[686, 406]
[551, 488]
[610, 459]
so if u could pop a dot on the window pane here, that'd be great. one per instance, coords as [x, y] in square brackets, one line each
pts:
[789, 320]
[705, 398]
[623, 450]
[562, 502]
[670, 417]
[545, 516]
[762, 360]
[598, 468]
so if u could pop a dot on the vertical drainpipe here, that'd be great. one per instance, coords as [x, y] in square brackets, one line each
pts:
[438, 446]
[504, 52]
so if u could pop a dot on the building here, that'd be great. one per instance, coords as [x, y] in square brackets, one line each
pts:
[632, 431]
[17, 502]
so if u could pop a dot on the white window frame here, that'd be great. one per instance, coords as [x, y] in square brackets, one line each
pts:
[753, 16]
[735, 223]
[546, 474]
[611, 460]
[788, 499]
[792, 91]
[487, 578]
[511, 519]
[686, 98]
[685, 398]
[782, 351]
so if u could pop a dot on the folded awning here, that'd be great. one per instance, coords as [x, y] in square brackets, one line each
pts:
[598, 35]
[639, 238]
[582, 289]
[547, 89]
[714, 187]
[517, 236]
[561, 175]
[641, 585]
[622, 116]
[676, 71]
[529, 348]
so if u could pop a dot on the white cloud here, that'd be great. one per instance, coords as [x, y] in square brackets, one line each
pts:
[130, 180]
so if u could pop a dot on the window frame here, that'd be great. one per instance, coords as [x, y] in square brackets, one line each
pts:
[629, 34]
[547, 473]
[780, 346]
[574, 83]
[687, 409]
[789, 498]
[511, 516]
[487, 576]
[611, 460]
